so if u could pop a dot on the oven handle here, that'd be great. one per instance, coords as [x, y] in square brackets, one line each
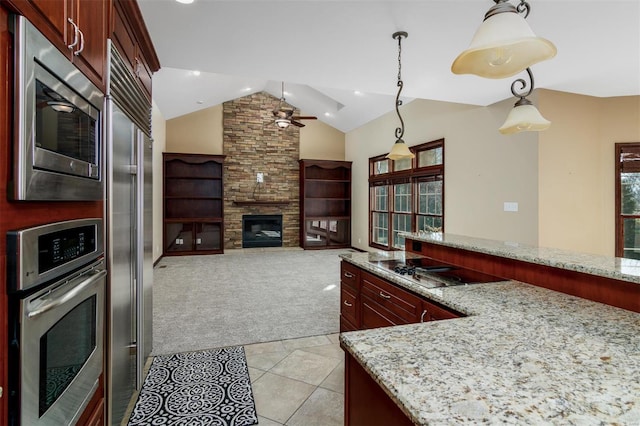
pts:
[52, 302]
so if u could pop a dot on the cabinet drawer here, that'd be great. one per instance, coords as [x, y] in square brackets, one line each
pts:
[349, 305]
[350, 275]
[375, 315]
[435, 312]
[400, 302]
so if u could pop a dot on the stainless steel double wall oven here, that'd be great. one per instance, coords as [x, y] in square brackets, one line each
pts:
[56, 284]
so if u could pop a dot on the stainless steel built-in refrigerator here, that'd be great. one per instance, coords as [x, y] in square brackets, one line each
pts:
[129, 236]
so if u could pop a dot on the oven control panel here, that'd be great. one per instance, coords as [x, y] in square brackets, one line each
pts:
[37, 255]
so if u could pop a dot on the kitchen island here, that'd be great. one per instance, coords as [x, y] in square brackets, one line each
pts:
[523, 354]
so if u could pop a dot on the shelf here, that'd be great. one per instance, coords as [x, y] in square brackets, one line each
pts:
[309, 198]
[262, 203]
[193, 219]
[329, 180]
[195, 177]
[189, 197]
[316, 218]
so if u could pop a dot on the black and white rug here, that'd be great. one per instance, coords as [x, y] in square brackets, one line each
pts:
[204, 388]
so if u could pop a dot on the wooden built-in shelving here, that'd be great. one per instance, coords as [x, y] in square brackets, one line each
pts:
[325, 204]
[193, 204]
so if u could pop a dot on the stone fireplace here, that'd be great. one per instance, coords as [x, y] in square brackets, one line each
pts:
[253, 144]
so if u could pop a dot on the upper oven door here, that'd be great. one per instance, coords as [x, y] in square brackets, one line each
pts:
[57, 123]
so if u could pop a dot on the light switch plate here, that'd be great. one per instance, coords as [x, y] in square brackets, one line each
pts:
[510, 206]
[260, 177]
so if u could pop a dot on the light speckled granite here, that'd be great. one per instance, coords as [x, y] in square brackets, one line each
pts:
[604, 266]
[524, 355]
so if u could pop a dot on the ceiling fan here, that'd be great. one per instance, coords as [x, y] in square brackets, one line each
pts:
[284, 116]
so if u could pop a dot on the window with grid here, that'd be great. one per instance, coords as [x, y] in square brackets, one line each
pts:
[628, 200]
[406, 195]
[380, 215]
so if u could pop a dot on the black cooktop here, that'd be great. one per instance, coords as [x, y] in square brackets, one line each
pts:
[434, 273]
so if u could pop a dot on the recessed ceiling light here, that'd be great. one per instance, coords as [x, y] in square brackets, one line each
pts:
[185, 1]
[196, 73]
[247, 89]
[357, 92]
[286, 93]
[327, 114]
[199, 102]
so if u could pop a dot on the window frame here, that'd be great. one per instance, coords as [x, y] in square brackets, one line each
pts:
[620, 168]
[414, 175]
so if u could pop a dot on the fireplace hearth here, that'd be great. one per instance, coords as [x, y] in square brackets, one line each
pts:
[260, 230]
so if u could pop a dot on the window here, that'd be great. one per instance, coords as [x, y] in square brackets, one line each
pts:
[628, 200]
[406, 195]
[380, 215]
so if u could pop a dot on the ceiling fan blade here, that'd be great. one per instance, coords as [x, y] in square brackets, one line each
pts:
[304, 117]
[295, 123]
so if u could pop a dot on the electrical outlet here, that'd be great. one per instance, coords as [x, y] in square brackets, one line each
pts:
[260, 177]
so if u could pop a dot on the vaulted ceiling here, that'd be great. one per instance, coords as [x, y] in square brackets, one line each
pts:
[340, 63]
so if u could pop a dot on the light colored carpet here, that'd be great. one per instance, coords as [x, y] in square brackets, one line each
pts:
[244, 297]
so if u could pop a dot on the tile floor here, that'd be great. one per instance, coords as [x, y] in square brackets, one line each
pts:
[298, 381]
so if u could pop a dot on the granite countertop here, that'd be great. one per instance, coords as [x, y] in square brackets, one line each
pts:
[524, 355]
[604, 266]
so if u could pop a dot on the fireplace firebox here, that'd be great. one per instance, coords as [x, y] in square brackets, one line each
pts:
[260, 230]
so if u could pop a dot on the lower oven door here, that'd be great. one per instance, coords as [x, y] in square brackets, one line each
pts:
[61, 348]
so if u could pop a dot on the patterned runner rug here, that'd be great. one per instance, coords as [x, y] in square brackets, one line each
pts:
[209, 387]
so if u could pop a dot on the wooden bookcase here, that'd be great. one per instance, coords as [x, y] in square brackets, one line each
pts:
[193, 204]
[325, 204]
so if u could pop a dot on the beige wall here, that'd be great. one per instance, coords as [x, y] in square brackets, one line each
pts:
[201, 133]
[319, 141]
[483, 169]
[197, 133]
[577, 168]
[158, 130]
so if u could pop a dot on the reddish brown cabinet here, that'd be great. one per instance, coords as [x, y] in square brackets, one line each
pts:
[78, 28]
[349, 297]
[325, 204]
[131, 44]
[368, 301]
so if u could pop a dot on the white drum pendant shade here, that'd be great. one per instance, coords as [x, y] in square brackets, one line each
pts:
[503, 46]
[524, 118]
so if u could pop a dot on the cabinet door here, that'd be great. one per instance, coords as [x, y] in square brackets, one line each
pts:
[349, 305]
[433, 312]
[208, 236]
[49, 17]
[91, 56]
[178, 237]
[339, 232]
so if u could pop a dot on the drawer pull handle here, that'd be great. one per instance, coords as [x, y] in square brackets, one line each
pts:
[384, 296]
[423, 315]
[349, 275]
[347, 304]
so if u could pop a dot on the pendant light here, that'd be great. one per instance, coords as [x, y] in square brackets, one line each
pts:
[400, 149]
[504, 44]
[524, 117]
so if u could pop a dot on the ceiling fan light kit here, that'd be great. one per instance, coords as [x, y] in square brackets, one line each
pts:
[503, 46]
[400, 150]
[284, 117]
